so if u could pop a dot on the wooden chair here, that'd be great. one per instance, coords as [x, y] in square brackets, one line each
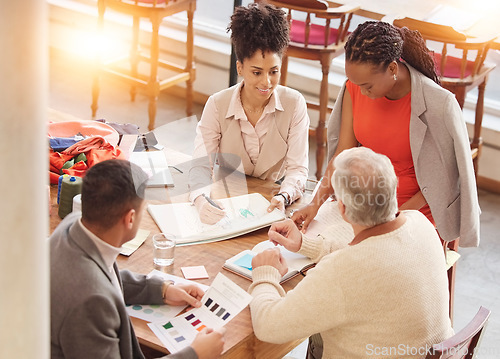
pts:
[319, 42]
[155, 11]
[465, 342]
[459, 74]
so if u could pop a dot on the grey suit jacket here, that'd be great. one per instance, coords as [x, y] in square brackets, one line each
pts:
[88, 315]
[441, 155]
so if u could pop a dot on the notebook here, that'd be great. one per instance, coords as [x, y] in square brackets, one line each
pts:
[244, 214]
[154, 163]
[241, 263]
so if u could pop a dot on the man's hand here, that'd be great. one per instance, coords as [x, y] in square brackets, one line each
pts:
[271, 257]
[287, 234]
[182, 294]
[208, 343]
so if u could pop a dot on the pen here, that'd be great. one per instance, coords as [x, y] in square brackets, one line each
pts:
[317, 187]
[211, 201]
[176, 169]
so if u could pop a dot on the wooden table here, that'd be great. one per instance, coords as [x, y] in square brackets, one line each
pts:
[240, 339]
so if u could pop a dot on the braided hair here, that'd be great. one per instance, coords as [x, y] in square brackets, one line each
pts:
[258, 27]
[380, 43]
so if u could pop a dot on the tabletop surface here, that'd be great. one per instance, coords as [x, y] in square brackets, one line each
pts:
[240, 339]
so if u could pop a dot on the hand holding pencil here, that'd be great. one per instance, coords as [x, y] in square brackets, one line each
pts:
[210, 211]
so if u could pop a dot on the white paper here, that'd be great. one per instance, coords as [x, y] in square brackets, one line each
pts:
[220, 304]
[155, 164]
[160, 313]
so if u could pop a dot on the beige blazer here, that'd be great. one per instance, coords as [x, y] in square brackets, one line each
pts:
[441, 154]
[270, 164]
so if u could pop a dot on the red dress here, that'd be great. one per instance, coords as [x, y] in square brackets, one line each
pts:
[384, 126]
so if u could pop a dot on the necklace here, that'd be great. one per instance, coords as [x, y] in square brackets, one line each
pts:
[253, 111]
[259, 110]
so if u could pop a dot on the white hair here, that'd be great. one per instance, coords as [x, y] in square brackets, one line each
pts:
[366, 183]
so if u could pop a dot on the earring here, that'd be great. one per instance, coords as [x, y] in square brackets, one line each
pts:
[394, 77]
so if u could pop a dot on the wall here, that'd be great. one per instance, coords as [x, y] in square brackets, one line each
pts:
[24, 270]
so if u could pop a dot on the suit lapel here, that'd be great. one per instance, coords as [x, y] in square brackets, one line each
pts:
[234, 140]
[418, 128]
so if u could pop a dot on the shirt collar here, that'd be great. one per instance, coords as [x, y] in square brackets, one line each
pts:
[108, 252]
[236, 110]
[380, 229]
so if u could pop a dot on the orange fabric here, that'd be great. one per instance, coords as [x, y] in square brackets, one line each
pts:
[88, 144]
[78, 169]
[96, 149]
[384, 126]
[98, 155]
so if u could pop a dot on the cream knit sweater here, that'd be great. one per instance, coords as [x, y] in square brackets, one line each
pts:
[386, 297]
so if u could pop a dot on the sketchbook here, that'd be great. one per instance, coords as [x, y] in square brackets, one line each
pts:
[241, 263]
[244, 214]
[154, 163]
[327, 223]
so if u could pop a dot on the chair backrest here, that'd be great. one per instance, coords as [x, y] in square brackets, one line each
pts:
[309, 33]
[449, 67]
[465, 342]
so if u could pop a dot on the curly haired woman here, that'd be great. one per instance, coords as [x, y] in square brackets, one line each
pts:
[393, 104]
[263, 125]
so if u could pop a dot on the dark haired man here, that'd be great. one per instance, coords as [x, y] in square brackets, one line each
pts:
[88, 293]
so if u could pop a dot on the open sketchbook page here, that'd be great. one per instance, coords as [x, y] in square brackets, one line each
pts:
[244, 214]
[330, 224]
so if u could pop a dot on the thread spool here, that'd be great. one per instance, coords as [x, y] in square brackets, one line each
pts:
[77, 203]
[70, 187]
[59, 182]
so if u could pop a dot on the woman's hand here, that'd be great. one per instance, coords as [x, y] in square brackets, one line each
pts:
[303, 217]
[277, 202]
[209, 213]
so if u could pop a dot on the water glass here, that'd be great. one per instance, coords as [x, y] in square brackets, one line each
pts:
[163, 249]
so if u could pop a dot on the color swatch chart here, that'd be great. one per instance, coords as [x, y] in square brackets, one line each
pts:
[221, 303]
[160, 313]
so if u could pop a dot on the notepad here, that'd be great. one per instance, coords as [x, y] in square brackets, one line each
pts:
[244, 214]
[155, 164]
[241, 263]
[131, 246]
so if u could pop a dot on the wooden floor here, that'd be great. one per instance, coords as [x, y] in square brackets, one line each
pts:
[478, 271]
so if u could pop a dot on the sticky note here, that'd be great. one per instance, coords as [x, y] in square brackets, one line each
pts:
[194, 272]
[245, 261]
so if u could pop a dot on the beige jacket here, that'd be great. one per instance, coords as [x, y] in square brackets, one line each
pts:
[441, 155]
[277, 159]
